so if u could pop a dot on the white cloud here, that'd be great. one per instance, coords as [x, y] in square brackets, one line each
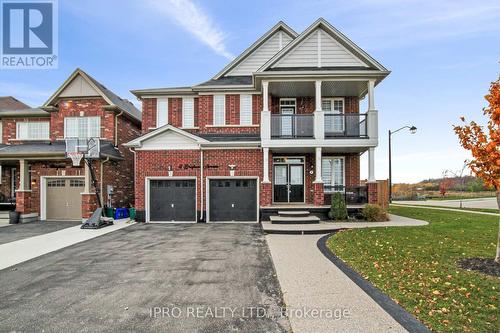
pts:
[196, 21]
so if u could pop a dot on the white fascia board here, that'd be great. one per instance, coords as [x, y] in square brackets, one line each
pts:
[136, 143]
[311, 143]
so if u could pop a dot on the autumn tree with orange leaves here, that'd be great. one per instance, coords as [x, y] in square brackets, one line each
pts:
[484, 145]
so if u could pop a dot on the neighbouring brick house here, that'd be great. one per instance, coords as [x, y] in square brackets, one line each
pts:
[35, 174]
[279, 127]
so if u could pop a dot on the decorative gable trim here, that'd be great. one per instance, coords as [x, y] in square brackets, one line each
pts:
[318, 36]
[280, 26]
[138, 142]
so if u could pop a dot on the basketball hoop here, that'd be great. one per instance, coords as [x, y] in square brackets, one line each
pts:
[76, 157]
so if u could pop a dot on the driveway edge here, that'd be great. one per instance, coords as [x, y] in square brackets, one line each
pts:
[403, 317]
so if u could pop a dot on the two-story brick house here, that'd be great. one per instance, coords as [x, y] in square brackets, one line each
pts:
[278, 127]
[36, 175]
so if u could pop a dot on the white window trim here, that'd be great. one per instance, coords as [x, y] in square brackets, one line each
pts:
[223, 108]
[251, 110]
[333, 99]
[343, 170]
[158, 100]
[184, 100]
[32, 122]
[65, 125]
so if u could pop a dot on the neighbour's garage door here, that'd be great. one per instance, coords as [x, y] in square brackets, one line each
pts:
[64, 199]
[233, 200]
[172, 200]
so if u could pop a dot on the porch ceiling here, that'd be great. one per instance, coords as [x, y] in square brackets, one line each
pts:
[328, 88]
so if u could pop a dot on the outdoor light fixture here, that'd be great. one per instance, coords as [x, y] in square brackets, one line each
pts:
[170, 171]
[232, 168]
[413, 130]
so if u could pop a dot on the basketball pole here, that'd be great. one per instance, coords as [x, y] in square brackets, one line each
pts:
[88, 161]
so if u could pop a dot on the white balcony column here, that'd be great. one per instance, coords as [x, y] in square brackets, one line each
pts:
[319, 177]
[265, 115]
[372, 114]
[265, 155]
[371, 165]
[319, 117]
[371, 95]
[23, 176]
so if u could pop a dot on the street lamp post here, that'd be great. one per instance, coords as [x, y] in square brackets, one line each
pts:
[413, 130]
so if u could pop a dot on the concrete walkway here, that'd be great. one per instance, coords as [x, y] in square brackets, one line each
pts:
[22, 250]
[309, 280]
[448, 209]
[328, 227]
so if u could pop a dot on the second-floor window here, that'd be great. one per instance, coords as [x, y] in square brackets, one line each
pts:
[82, 127]
[32, 130]
[187, 112]
[161, 112]
[333, 108]
[219, 110]
[245, 109]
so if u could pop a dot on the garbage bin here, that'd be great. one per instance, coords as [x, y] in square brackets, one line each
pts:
[131, 213]
[14, 217]
[121, 213]
[109, 212]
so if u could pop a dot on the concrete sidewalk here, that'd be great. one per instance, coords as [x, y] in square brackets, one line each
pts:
[447, 209]
[22, 250]
[490, 203]
[308, 279]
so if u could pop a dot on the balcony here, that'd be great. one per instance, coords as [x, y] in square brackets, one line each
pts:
[292, 126]
[349, 125]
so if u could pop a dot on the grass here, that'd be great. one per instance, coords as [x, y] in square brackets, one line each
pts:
[416, 266]
[458, 197]
[485, 210]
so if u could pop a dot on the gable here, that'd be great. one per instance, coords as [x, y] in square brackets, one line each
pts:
[319, 49]
[260, 55]
[169, 140]
[79, 87]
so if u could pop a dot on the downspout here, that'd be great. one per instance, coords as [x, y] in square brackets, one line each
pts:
[201, 183]
[101, 179]
[116, 128]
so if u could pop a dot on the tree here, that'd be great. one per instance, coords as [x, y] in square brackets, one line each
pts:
[445, 184]
[484, 145]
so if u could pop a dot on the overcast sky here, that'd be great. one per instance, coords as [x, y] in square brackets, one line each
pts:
[442, 54]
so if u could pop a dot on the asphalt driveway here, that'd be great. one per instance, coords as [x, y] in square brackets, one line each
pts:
[170, 278]
[25, 230]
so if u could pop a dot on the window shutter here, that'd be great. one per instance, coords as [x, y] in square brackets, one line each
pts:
[187, 112]
[219, 110]
[161, 112]
[245, 109]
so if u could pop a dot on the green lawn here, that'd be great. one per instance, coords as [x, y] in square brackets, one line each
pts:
[485, 210]
[416, 266]
[458, 197]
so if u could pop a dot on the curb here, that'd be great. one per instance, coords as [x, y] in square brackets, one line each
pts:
[404, 318]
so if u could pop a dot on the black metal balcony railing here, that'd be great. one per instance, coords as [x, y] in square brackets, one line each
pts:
[346, 125]
[353, 195]
[292, 126]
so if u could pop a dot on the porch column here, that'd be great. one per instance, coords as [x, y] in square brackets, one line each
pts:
[265, 153]
[319, 117]
[265, 116]
[23, 176]
[371, 165]
[319, 178]
[372, 114]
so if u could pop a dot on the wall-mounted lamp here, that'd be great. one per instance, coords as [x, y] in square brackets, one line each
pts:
[170, 171]
[232, 169]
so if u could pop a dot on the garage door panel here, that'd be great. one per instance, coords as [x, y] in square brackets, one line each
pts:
[172, 200]
[233, 200]
[63, 199]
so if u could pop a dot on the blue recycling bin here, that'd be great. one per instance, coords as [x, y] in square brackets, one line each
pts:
[121, 213]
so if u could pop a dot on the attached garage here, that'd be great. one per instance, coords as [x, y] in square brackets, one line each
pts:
[172, 200]
[232, 200]
[63, 198]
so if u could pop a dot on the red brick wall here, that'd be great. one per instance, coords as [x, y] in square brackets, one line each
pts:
[232, 109]
[90, 107]
[185, 163]
[148, 114]
[175, 111]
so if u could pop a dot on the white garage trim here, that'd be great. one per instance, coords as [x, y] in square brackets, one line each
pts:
[146, 197]
[207, 186]
[43, 192]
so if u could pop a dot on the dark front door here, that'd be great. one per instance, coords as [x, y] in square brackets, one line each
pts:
[288, 183]
[172, 200]
[233, 200]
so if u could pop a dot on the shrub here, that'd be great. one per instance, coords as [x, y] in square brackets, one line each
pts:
[338, 209]
[374, 213]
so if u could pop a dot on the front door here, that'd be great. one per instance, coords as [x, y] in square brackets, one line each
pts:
[288, 183]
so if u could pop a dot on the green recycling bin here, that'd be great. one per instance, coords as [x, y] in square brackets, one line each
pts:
[109, 212]
[131, 213]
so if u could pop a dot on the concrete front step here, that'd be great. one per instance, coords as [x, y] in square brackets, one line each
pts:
[295, 213]
[311, 219]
